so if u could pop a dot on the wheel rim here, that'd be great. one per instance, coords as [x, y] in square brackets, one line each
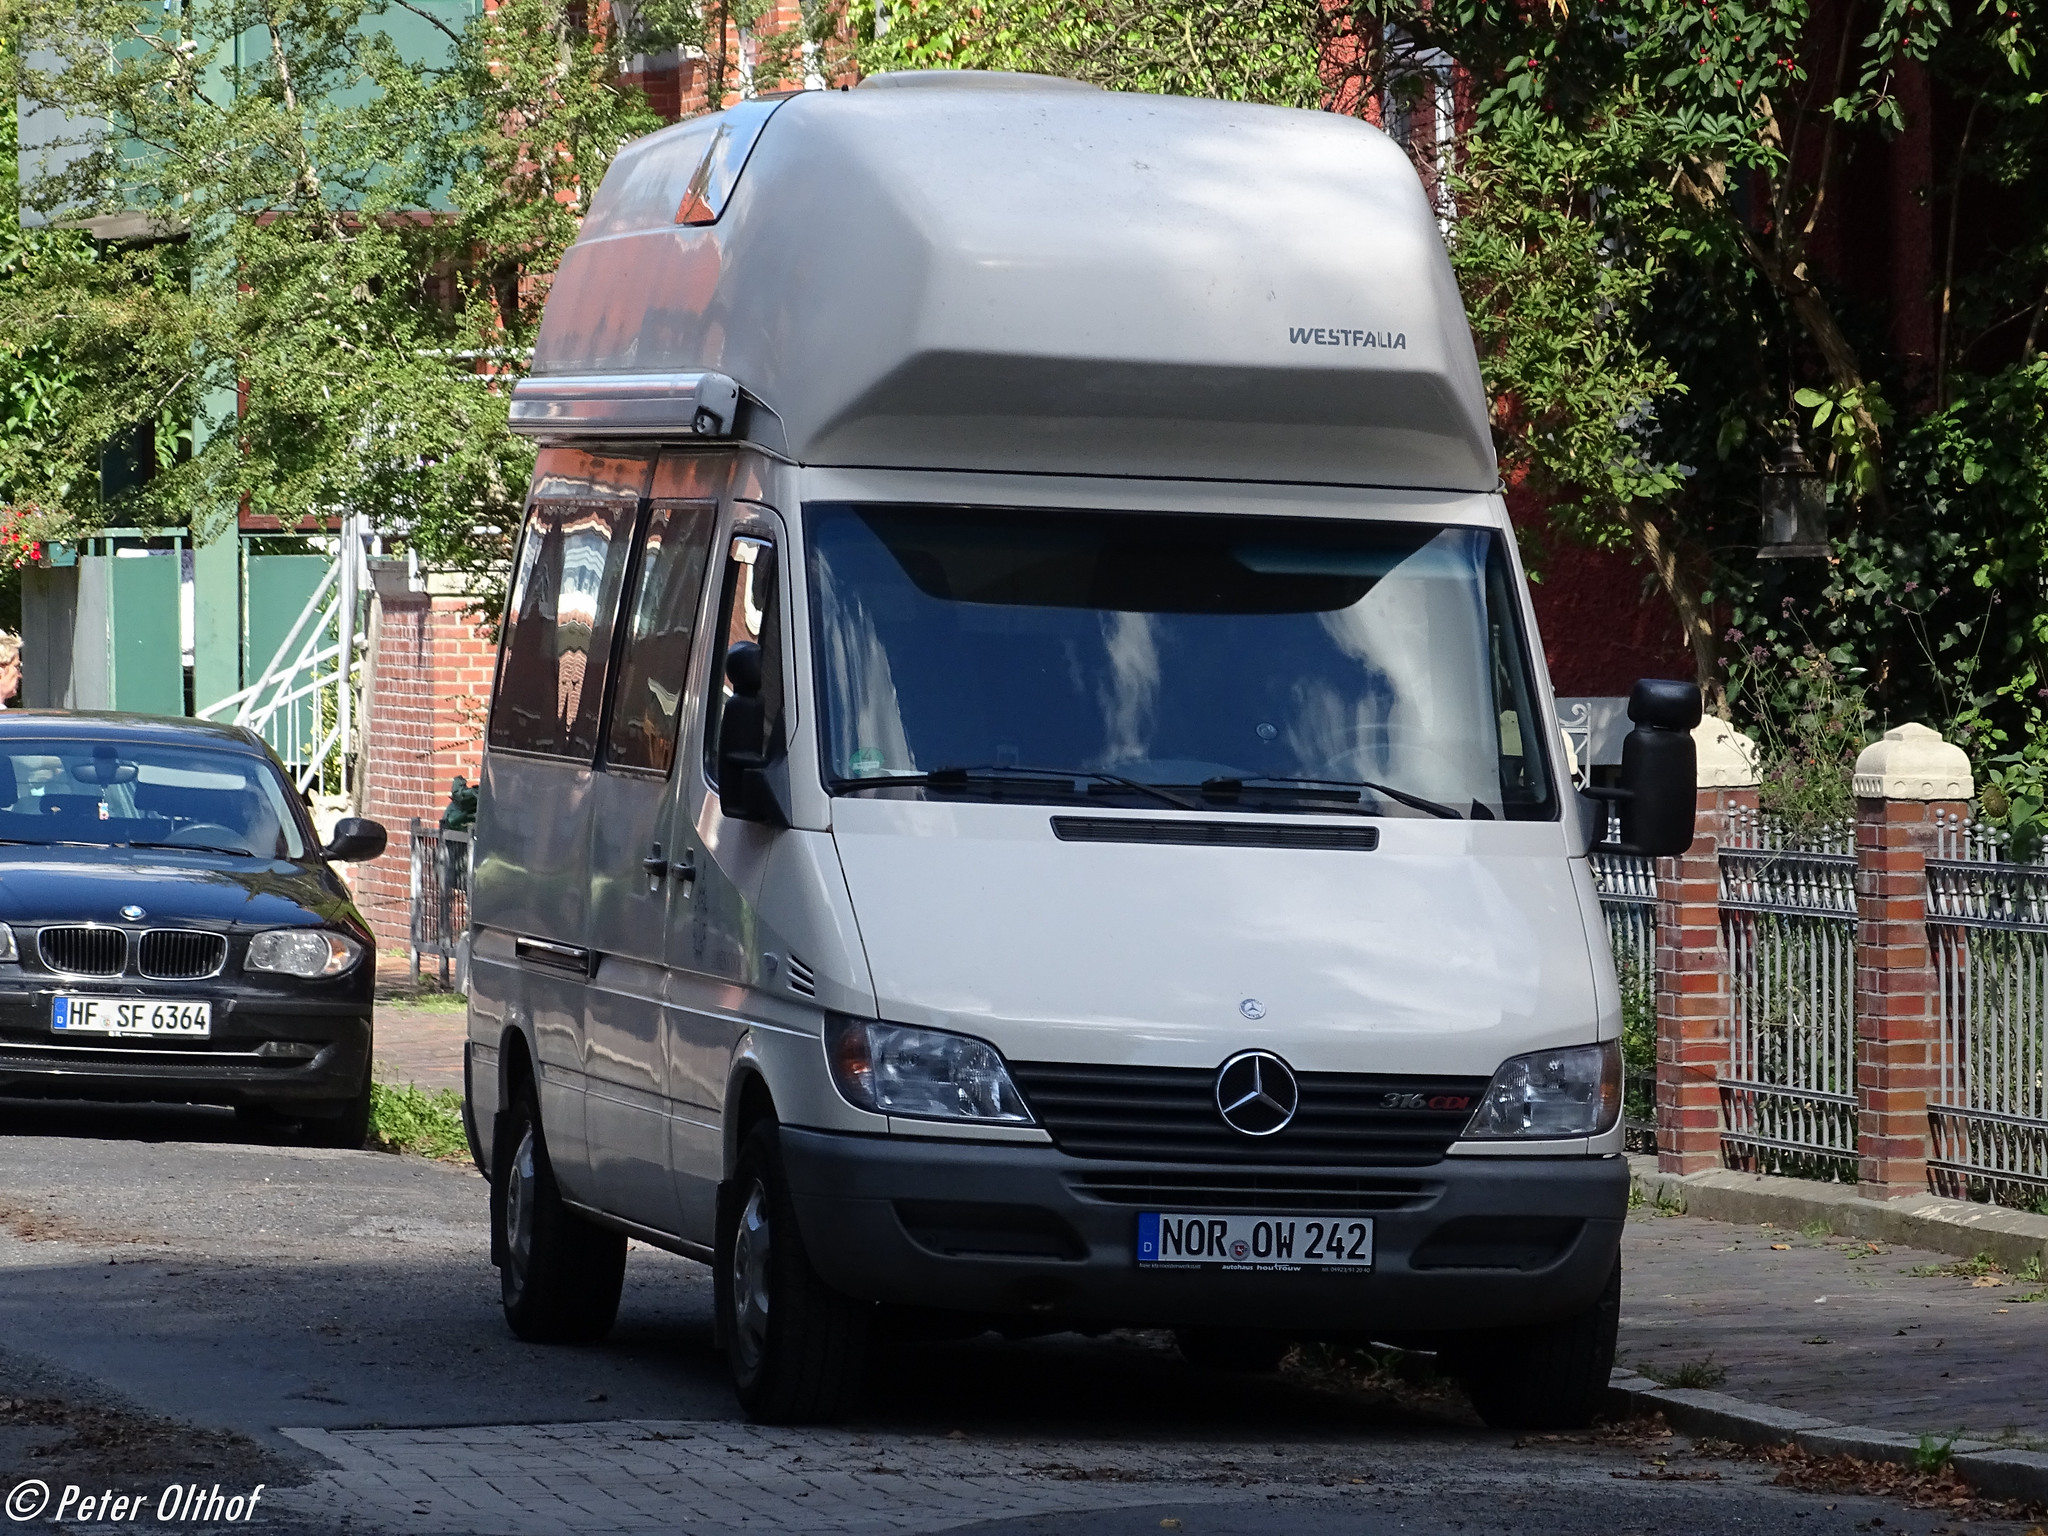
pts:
[750, 1251]
[519, 1203]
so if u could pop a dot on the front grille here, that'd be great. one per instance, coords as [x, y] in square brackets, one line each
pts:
[1168, 1114]
[80, 951]
[168, 954]
[1220, 1190]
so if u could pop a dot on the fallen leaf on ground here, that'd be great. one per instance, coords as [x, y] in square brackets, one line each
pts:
[1781, 1245]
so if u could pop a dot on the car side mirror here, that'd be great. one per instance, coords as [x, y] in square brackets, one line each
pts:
[355, 838]
[1658, 795]
[749, 785]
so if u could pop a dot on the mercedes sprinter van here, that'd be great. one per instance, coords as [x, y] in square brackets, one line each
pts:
[1021, 788]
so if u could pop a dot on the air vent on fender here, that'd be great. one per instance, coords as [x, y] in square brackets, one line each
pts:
[802, 979]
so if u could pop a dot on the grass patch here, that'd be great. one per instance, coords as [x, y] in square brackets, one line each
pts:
[409, 1119]
[426, 1001]
[1981, 1267]
[1704, 1374]
[1818, 1227]
[1933, 1453]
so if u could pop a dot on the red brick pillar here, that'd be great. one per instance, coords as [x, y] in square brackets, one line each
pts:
[1692, 960]
[1904, 784]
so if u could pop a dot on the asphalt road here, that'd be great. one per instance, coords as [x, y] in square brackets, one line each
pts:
[174, 1297]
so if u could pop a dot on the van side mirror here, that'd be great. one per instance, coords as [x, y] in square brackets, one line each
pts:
[355, 838]
[748, 787]
[1658, 794]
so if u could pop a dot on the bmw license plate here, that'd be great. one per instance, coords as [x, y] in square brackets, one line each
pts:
[1170, 1240]
[131, 1016]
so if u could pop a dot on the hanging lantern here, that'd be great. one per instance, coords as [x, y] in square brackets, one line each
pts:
[1794, 502]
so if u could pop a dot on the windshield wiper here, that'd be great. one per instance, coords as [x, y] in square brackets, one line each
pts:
[959, 776]
[1227, 786]
[240, 853]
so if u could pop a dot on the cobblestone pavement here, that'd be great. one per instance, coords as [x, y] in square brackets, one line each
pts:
[420, 1045]
[1838, 1327]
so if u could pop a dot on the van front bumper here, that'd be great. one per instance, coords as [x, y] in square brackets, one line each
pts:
[1027, 1233]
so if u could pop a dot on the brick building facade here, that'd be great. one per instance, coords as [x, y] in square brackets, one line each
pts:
[423, 720]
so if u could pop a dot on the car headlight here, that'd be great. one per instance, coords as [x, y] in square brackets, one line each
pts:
[307, 952]
[8, 951]
[923, 1073]
[1574, 1091]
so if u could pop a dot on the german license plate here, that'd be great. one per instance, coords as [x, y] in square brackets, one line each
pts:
[131, 1016]
[1183, 1241]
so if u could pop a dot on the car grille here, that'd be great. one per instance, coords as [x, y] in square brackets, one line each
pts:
[171, 953]
[1158, 1114]
[81, 951]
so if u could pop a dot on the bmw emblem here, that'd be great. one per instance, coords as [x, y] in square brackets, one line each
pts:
[133, 913]
[1256, 1093]
[1252, 1008]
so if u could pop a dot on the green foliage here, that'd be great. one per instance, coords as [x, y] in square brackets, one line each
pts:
[409, 1119]
[1933, 1453]
[1810, 718]
[327, 276]
[1267, 50]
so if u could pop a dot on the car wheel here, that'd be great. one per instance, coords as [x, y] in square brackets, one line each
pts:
[795, 1346]
[561, 1275]
[1549, 1377]
[348, 1128]
[1245, 1351]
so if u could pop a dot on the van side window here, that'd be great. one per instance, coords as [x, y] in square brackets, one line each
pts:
[558, 627]
[749, 611]
[661, 622]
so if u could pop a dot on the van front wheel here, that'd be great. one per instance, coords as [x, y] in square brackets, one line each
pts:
[1549, 1377]
[795, 1346]
[561, 1275]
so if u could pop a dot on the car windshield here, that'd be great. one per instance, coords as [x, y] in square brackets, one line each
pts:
[1285, 664]
[115, 793]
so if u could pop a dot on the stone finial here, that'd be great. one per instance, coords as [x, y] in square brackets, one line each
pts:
[1911, 762]
[1726, 758]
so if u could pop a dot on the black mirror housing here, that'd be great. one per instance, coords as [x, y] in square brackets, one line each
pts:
[1657, 800]
[355, 839]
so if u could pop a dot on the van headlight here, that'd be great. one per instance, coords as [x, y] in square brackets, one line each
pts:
[307, 952]
[1573, 1091]
[926, 1074]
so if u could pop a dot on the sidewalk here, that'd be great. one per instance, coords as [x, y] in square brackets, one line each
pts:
[1837, 1328]
[418, 1045]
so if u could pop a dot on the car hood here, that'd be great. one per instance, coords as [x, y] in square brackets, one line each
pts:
[54, 885]
[1450, 947]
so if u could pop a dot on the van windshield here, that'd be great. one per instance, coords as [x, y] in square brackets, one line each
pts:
[1313, 665]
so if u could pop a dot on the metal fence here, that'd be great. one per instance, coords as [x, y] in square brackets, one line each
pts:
[1987, 923]
[1627, 884]
[1788, 921]
[440, 896]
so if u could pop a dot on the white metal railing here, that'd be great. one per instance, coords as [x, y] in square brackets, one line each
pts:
[440, 897]
[1987, 924]
[304, 701]
[1788, 922]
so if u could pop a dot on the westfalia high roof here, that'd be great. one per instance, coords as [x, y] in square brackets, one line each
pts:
[1031, 275]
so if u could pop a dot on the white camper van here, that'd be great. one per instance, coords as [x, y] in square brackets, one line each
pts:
[1021, 789]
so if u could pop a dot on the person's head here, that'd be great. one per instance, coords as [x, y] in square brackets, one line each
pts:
[10, 665]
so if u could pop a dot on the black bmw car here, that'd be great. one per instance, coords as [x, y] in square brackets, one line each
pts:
[170, 928]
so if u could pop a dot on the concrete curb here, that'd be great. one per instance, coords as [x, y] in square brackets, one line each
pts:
[1992, 1472]
[1961, 1227]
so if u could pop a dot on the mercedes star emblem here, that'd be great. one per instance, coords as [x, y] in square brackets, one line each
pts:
[1252, 1008]
[133, 913]
[1256, 1093]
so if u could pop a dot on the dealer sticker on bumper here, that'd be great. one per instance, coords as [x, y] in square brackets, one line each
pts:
[1173, 1240]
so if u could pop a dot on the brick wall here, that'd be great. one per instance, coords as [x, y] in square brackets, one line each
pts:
[422, 725]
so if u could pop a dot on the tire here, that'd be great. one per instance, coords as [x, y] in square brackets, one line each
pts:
[349, 1128]
[1550, 1377]
[561, 1275]
[1242, 1351]
[794, 1345]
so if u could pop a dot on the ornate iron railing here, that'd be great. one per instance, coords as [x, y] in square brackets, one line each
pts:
[1627, 884]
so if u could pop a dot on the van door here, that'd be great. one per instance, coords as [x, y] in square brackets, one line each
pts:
[709, 929]
[636, 867]
[529, 896]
